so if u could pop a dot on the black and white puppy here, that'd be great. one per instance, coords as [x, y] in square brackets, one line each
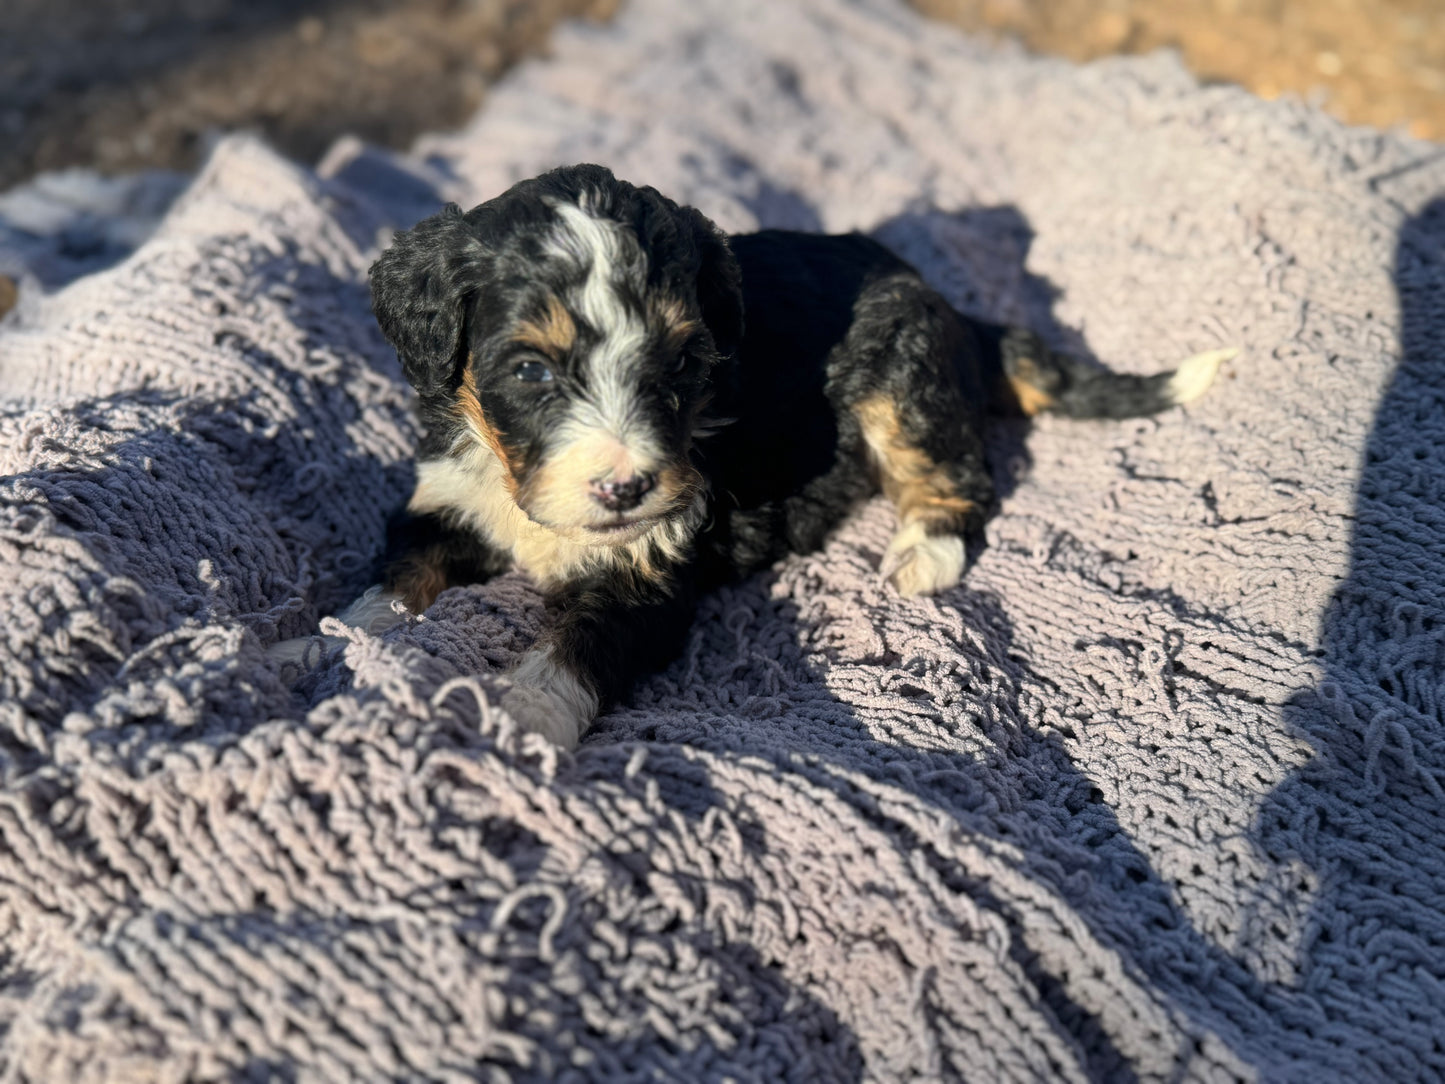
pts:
[633, 408]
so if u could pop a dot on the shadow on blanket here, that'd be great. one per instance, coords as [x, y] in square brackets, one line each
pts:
[183, 500]
[1026, 792]
[976, 752]
[1014, 782]
[1368, 811]
[190, 520]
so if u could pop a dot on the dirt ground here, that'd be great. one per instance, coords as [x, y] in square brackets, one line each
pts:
[1377, 62]
[125, 84]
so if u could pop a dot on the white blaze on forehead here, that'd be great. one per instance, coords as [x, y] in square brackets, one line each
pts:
[611, 371]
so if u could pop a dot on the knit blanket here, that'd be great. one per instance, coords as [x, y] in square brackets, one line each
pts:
[1156, 794]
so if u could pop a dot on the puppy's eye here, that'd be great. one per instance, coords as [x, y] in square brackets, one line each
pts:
[679, 363]
[533, 372]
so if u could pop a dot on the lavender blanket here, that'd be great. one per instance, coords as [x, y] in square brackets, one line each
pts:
[1155, 795]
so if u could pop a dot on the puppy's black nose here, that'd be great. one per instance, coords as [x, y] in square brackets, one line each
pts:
[622, 495]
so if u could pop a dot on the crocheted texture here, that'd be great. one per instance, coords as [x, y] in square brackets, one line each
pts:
[1156, 794]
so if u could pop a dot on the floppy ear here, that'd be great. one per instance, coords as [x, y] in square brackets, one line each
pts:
[719, 284]
[419, 287]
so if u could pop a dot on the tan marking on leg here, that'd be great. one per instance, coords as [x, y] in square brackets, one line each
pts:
[926, 554]
[553, 333]
[932, 499]
[1024, 383]
[1030, 399]
[921, 489]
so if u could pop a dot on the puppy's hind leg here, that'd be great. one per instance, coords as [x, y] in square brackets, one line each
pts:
[907, 373]
[930, 465]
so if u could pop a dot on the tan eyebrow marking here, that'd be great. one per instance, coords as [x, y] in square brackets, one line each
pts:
[679, 327]
[553, 333]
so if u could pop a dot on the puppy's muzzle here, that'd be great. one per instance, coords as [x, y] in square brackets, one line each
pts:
[622, 495]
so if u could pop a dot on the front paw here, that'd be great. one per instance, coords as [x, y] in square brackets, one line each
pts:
[918, 563]
[548, 699]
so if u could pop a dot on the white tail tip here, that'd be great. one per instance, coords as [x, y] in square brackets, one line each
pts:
[1193, 377]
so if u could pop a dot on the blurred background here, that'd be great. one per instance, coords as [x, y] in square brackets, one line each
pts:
[120, 85]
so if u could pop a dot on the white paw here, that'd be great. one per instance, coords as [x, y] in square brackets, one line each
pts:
[373, 612]
[921, 564]
[548, 699]
[301, 653]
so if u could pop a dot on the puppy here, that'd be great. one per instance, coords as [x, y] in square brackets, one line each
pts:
[634, 408]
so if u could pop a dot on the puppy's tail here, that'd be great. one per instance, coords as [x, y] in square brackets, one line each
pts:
[1029, 378]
